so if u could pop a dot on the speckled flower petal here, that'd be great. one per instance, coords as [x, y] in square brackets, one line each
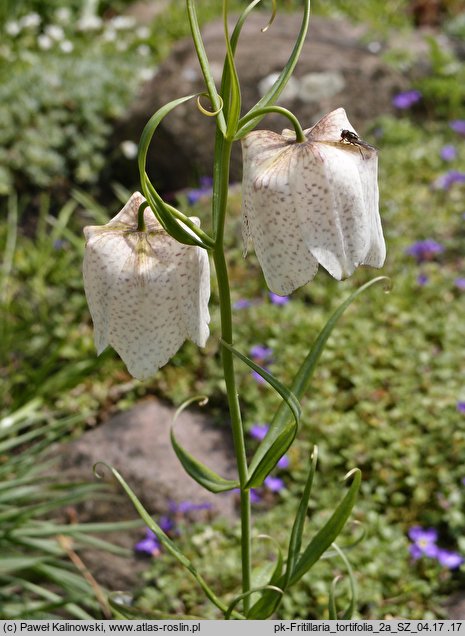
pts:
[329, 127]
[376, 253]
[193, 289]
[329, 199]
[147, 293]
[270, 216]
[309, 203]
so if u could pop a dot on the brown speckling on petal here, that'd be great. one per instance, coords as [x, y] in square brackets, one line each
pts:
[146, 292]
[317, 201]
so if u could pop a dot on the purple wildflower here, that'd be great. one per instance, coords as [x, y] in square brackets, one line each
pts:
[283, 462]
[276, 299]
[204, 189]
[445, 181]
[275, 484]
[166, 523]
[415, 551]
[149, 544]
[460, 283]
[258, 431]
[260, 352]
[448, 559]
[242, 303]
[406, 99]
[422, 279]
[424, 542]
[448, 152]
[424, 250]
[458, 126]
[184, 507]
[463, 481]
[461, 407]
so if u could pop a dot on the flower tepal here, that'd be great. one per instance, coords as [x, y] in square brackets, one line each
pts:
[146, 292]
[311, 203]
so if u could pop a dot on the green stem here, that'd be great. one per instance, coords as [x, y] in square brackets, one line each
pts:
[222, 161]
[299, 133]
[140, 217]
[204, 64]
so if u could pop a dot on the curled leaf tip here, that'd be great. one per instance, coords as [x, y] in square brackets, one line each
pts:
[209, 113]
[271, 20]
[96, 472]
[351, 473]
[201, 400]
[388, 285]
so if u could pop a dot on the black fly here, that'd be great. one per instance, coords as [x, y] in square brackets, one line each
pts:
[349, 137]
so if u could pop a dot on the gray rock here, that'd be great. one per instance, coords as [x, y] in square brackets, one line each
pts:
[341, 70]
[137, 444]
[315, 87]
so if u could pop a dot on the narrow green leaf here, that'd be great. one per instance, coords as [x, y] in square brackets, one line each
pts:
[171, 219]
[53, 598]
[46, 529]
[288, 396]
[234, 109]
[254, 590]
[273, 447]
[28, 414]
[349, 611]
[204, 64]
[15, 564]
[164, 539]
[281, 420]
[225, 89]
[275, 91]
[272, 593]
[329, 532]
[129, 612]
[169, 545]
[220, 163]
[305, 372]
[199, 472]
[332, 609]
[18, 440]
[167, 215]
[64, 577]
[295, 541]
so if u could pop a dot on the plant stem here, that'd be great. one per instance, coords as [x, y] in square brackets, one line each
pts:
[222, 161]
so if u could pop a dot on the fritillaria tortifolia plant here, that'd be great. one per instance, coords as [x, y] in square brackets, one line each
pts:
[310, 197]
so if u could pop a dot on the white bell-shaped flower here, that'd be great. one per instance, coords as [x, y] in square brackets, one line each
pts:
[146, 292]
[311, 203]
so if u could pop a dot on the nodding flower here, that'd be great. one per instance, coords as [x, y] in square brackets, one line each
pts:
[146, 292]
[310, 203]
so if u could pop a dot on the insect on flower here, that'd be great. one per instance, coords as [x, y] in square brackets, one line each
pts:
[349, 137]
